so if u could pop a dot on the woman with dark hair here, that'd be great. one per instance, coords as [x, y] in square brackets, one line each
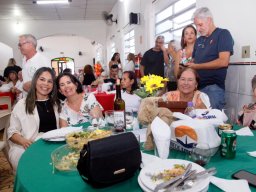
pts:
[188, 80]
[38, 112]
[188, 39]
[115, 60]
[12, 79]
[129, 84]
[11, 66]
[88, 75]
[78, 106]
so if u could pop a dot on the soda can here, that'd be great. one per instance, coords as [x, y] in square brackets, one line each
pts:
[228, 144]
[223, 127]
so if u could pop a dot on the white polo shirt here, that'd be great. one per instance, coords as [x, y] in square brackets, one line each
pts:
[132, 101]
[30, 66]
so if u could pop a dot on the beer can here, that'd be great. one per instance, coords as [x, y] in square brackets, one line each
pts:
[228, 144]
[223, 127]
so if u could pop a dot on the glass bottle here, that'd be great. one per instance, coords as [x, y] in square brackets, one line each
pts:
[190, 110]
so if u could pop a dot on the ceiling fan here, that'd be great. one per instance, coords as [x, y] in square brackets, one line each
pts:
[108, 18]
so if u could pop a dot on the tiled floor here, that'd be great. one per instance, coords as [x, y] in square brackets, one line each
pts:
[6, 176]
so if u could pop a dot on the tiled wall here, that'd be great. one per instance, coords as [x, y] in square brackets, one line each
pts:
[238, 87]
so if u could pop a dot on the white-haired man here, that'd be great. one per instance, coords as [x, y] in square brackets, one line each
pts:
[154, 59]
[32, 59]
[211, 54]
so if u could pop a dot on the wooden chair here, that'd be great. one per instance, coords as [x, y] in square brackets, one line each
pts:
[174, 106]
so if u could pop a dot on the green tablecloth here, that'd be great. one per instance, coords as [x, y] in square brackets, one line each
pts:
[34, 171]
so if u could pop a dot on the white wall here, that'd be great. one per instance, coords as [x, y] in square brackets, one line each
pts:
[239, 19]
[69, 46]
[6, 53]
[92, 30]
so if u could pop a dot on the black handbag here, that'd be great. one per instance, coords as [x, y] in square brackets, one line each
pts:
[106, 161]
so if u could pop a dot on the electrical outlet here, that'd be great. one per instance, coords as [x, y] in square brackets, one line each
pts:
[246, 51]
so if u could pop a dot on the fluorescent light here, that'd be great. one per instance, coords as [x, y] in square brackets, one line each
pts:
[52, 2]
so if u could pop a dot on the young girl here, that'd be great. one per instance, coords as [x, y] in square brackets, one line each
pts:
[247, 117]
[129, 84]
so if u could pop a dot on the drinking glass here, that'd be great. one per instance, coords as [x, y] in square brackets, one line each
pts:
[201, 154]
[129, 119]
[109, 118]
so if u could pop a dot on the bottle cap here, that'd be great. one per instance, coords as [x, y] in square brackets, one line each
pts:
[190, 104]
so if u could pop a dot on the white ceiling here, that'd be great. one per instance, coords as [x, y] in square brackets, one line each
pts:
[76, 10]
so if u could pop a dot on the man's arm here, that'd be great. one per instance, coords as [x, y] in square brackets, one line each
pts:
[221, 62]
[165, 53]
[26, 86]
[142, 70]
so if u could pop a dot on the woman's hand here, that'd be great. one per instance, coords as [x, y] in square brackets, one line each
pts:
[20, 140]
[25, 142]
[96, 112]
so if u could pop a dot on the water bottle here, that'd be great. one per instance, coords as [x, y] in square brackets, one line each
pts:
[190, 110]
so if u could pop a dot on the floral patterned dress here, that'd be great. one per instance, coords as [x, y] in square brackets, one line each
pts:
[83, 115]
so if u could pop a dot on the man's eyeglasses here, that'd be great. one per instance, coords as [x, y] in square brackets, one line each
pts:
[21, 44]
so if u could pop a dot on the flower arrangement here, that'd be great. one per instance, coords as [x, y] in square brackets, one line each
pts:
[152, 83]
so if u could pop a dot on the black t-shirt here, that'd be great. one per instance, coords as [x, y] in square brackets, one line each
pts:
[153, 62]
[46, 116]
[88, 79]
[8, 69]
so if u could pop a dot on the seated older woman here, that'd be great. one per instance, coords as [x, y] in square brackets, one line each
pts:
[38, 112]
[78, 106]
[187, 90]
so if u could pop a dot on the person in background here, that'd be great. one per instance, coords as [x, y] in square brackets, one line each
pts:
[154, 59]
[12, 79]
[115, 60]
[67, 70]
[17, 89]
[184, 55]
[131, 62]
[129, 84]
[88, 75]
[247, 117]
[11, 66]
[38, 112]
[100, 79]
[211, 56]
[169, 69]
[188, 80]
[113, 75]
[32, 60]
[78, 106]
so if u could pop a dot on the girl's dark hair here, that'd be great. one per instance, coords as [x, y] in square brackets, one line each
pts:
[88, 69]
[182, 41]
[114, 56]
[31, 97]
[73, 79]
[132, 76]
[188, 69]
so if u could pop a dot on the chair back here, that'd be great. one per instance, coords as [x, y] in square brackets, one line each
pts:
[6, 100]
[174, 106]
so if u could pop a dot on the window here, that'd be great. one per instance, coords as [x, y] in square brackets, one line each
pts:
[170, 21]
[113, 49]
[129, 43]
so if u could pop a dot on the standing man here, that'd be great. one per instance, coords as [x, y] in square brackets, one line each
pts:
[32, 59]
[211, 54]
[154, 59]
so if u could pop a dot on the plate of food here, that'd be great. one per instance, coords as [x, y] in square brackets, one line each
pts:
[166, 169]
[77, 140]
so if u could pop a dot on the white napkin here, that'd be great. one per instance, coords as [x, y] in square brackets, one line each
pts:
[240, 185]
[244, 132]
[147, 159]
[252, 153]
[60, 133]
[180, 115]
[162, 137]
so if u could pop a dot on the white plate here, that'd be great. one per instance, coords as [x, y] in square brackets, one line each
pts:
[143, 187]
[59, 134]
[159, 166]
